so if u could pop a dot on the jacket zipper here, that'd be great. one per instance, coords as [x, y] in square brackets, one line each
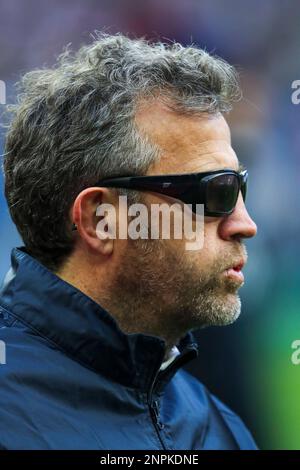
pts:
[154, 412]
[154, 404]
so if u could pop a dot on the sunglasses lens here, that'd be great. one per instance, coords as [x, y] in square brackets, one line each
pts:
[222, 193]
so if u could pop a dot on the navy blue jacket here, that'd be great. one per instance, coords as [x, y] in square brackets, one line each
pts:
[74, 380]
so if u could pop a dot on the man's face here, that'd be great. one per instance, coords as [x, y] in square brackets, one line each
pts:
[193, 288]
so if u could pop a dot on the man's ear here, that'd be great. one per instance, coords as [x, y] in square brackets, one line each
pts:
[93, 213]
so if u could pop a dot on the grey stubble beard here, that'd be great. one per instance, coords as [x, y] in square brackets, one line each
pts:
[159, 292]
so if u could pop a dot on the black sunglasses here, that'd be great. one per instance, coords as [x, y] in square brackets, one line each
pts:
[217, 190]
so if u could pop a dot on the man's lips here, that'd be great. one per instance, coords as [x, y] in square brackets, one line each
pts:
[235, 271]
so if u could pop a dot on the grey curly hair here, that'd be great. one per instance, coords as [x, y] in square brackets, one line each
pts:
[74, 124]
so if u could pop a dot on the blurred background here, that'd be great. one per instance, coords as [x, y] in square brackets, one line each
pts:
[248, 365]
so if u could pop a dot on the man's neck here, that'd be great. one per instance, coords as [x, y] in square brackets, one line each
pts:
[133, 315]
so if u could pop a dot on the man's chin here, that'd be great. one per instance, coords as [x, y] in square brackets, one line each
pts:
[224, 310]
[230, 309]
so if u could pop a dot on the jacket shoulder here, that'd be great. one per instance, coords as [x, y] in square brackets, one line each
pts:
[237, 427]
[214, 405]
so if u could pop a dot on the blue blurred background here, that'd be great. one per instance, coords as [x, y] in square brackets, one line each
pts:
[248, 364]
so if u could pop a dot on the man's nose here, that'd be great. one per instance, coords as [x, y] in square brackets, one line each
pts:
[239, 224]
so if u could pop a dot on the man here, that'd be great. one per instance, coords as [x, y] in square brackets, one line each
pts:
[97, 328]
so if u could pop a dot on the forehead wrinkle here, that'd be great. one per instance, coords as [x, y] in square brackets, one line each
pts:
[218, 158]
[212, 141]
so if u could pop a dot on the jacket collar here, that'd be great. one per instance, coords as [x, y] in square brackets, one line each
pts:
[82, 329]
